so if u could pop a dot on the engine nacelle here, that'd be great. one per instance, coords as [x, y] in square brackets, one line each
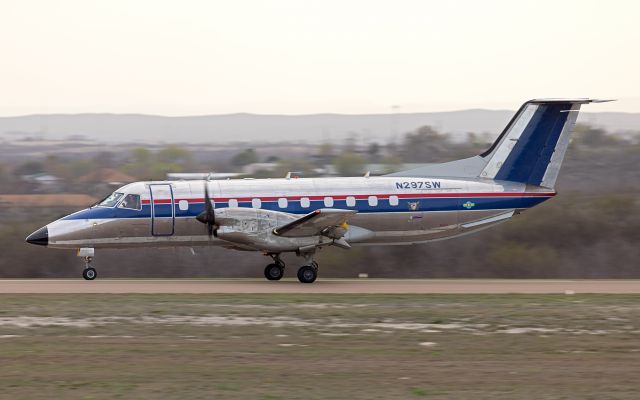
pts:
[251, 227]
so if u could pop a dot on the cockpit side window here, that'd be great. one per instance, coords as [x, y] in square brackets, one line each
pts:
[111, 200]
[131, 201]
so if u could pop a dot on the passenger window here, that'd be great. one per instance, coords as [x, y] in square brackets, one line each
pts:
[373, 201]
[351, 201]
[233, 203]
[256, 203]
[328, 201]
[304, 202]
[131, 201]
[183, 205]
[282, 202]
[393, 200]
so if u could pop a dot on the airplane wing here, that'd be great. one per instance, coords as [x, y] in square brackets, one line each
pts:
[315, 223]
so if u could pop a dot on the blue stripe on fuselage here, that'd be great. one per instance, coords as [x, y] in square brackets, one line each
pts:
[293, 207]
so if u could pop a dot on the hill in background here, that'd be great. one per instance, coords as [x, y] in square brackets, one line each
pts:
[270, 128]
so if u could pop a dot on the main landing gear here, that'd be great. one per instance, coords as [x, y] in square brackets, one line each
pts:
[89, 272]
[308, 273]
[275, 271]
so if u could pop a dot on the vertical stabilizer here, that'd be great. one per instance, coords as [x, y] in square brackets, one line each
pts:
[532, 147]
[529, 150]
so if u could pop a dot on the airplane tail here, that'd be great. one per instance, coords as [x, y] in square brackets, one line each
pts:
[529, 150]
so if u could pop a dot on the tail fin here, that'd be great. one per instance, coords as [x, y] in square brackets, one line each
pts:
[529, 150]
[532, 147]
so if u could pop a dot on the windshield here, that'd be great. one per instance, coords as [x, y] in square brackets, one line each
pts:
[111, 201]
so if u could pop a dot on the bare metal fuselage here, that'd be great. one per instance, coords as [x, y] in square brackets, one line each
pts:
[390, 211]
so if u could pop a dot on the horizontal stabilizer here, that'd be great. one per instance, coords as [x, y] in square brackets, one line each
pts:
[491, 220]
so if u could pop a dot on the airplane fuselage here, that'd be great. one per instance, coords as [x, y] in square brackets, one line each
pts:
[390, 210]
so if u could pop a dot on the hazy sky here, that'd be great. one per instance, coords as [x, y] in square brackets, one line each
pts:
[301, 56]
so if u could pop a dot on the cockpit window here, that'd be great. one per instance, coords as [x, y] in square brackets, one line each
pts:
[112, 200]
[131, 201]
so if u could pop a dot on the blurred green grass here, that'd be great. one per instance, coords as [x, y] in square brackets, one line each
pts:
[319, 346]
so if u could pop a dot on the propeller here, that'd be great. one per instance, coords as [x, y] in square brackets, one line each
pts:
[208, 216]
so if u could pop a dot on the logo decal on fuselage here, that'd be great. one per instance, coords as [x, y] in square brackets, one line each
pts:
[469, 204]
[414, 205]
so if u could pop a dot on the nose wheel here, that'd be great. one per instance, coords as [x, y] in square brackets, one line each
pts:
[89, 273]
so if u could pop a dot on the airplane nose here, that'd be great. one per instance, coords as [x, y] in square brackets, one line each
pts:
[40, 237]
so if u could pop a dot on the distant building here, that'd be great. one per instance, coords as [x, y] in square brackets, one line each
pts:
[108, 176]
[46, 200]
[251, 169]
[190, 176]
[43, 182]
[42, 179]
[374, 169]
[381, 169]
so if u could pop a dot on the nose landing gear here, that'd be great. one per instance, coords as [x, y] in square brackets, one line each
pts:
[89, 272]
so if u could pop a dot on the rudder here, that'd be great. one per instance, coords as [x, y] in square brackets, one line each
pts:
[531, 148]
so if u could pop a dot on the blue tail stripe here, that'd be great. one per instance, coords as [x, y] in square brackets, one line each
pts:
[528, 161]
[549, 148]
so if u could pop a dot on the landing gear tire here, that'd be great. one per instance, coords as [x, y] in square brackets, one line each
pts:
[308, 273]
[273, 272]
[89, 273]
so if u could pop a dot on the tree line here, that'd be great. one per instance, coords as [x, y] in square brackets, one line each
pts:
[591, 229]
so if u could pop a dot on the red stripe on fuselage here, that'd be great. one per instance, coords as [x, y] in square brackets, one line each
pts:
[364, 196]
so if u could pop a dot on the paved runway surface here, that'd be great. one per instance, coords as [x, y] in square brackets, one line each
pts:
[390, 286]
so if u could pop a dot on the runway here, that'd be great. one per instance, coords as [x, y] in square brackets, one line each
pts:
[326, 286]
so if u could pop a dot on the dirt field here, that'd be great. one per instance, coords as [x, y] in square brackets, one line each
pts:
[282, 346]
[326, 286]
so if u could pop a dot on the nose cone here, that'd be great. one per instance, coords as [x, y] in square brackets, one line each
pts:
[41, 237]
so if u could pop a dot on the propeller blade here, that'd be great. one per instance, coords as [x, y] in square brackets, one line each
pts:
[208, 216]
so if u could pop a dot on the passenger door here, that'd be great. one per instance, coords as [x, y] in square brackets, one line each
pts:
[162, 210]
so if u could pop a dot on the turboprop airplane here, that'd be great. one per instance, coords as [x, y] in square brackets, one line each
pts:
[274, 216]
